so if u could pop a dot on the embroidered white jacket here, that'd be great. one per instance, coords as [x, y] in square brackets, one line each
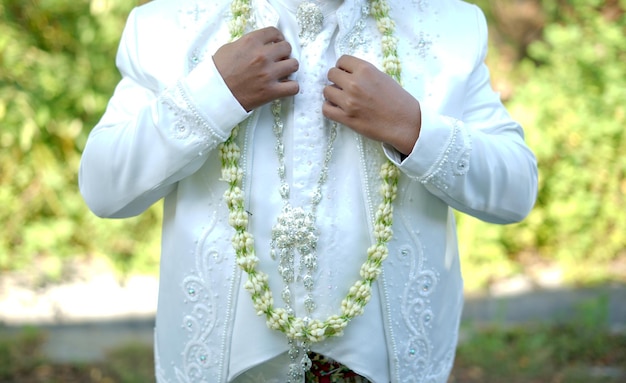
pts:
[159, 135]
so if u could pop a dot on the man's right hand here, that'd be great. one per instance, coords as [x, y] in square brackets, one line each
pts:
[256, 67]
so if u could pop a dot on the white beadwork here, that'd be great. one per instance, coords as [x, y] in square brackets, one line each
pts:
[310, 21]
[302, 331]
[454, 160]
[188, 121]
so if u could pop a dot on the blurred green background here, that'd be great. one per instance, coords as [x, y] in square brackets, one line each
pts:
[559, 65]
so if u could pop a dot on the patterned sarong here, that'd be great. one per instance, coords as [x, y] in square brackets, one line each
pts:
[326, 370]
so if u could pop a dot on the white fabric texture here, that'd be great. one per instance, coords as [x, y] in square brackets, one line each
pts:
[344, 241]
[158, 139]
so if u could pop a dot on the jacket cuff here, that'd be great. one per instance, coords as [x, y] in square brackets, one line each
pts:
[441, 152]
[210, 99]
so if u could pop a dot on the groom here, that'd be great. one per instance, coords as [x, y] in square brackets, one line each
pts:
[269, 128]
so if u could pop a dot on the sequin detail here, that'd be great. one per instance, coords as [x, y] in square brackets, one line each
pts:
[310, 21]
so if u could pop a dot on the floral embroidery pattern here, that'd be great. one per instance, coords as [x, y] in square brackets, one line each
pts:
[188, 121]
[200, 321]
[455, 159]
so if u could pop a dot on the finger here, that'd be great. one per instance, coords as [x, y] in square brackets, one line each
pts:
[333, 95]
[285, 68]
[286, 88]
[338, 77]
[270, 35]
[347, 63]
[333, 112]
[278, 51]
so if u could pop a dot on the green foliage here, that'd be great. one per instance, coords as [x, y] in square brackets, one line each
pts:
[22, 360]
[567, 88]
[540, 354]
[573, 105]
[15, 360]
[570, 351]
[56, 75]
[133, 363]
[571, 102]
[577, 351]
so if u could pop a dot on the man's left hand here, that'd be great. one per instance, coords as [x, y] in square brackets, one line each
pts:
[372, 103]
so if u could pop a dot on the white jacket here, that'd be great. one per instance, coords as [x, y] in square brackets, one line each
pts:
[171, 109]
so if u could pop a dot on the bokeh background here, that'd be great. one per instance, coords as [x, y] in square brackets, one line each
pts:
[560, 66]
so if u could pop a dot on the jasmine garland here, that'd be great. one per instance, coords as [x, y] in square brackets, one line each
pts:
[296, 328]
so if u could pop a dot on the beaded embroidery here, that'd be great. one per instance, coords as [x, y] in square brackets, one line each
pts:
[188, 120]
[305, 330]
[310, 20]
[352, 39]
[454, 159]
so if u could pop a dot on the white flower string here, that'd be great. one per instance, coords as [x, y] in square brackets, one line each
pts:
[297, 329]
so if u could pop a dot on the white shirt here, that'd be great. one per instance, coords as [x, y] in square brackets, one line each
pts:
[343, 240]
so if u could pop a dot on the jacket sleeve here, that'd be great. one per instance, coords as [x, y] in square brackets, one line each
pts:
[478, 164]
[149, 138]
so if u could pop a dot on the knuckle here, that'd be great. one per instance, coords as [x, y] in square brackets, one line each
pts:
[350, 106]
[354, 88]
[368, 69]
[259, 59]
[247, 39]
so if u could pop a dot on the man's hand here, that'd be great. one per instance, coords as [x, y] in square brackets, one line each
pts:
[372, 103]
[256, 66]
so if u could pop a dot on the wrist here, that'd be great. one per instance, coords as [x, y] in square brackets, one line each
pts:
[409, 135]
